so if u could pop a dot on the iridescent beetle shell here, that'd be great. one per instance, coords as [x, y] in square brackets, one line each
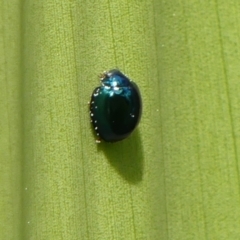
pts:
[115, 107]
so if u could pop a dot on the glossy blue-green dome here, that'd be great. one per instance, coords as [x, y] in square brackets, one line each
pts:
[115, 107]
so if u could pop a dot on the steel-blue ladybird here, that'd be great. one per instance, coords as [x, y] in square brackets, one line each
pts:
[115, 107]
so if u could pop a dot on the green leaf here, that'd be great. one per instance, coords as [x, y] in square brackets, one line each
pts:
[176, 177]
[10, 121]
